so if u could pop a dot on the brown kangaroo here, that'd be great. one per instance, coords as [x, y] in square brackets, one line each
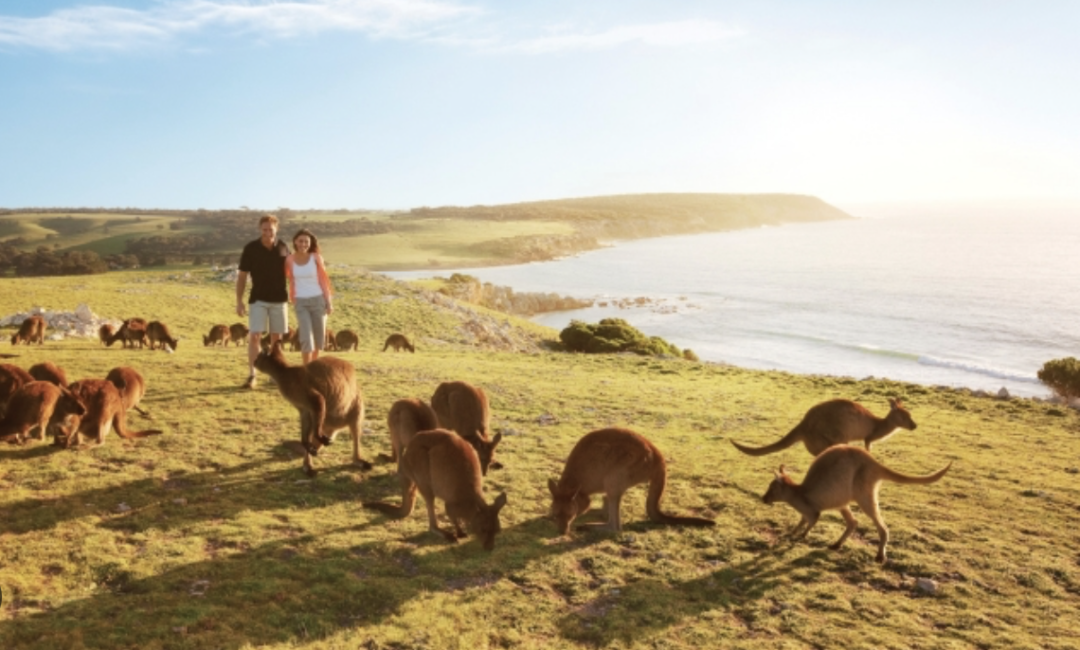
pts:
[407, 418]
[611, 461]
[131, 385]
[238, 333]
[50, 372]
[11, 378]
[105, 334]
[264, 342]
[837, 477]
[328, 342]
[440, 464]
[38, 404]
[398, 341]
[132, 331]
[838, 422]
[327, 396]
[104, 410]
[32, 330]
[346, 340]
[219, 335]
[159, 335]
[463, 408]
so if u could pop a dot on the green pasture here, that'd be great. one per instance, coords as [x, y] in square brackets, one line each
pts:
[103, 233]
[210, 535]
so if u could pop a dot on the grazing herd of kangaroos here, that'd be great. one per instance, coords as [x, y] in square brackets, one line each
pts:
[443, 450]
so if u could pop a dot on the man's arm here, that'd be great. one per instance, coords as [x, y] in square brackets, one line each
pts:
[241, 283]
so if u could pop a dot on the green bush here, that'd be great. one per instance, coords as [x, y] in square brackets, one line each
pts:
[613, 335]
[1062, 376]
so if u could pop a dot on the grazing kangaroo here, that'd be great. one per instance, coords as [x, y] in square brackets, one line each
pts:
[105, 334]
[440, 464]
[327, 396]
[346, 340]
[11, 378]
[50, 372]
[238, 333]
[463, 408]
[104, 410]
[837, 477]
[32, 330]
[38, 404]
[611, 461]
[159, 335]
[132, 331]
[131, 385]
[219, 335]
[838, 422]
[398, 341]
[407, 418]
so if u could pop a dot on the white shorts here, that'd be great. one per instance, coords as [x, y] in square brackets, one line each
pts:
[273, 313]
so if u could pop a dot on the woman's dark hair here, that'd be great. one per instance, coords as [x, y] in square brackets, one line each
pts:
[314, 248]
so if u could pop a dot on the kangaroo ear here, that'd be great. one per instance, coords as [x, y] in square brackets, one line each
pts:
[780, 472]
[496, 439]
[500, 501]
[553, 487]
[893, 402]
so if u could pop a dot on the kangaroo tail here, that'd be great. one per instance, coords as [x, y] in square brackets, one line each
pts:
[139, 434]
[897, 477]
[657, 484]
[791, 438]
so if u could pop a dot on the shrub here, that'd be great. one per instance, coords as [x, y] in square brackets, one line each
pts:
[1062, 376]
[613, 335]
[689, 355]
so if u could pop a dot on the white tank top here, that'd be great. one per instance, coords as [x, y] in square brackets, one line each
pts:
[306, 277]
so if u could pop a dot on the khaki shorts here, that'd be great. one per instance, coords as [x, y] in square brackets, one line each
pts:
[273, 313]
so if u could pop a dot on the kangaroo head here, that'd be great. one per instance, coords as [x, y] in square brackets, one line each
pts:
[566, 506]
[900, 415]
[69, 404]
[271, 357]
[485, 522]
[485, 450]
[779, 489]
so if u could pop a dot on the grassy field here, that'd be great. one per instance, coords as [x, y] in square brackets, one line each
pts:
[210, 536]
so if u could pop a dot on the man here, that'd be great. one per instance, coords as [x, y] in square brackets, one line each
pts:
[264, 260]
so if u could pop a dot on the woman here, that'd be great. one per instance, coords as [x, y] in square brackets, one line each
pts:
[309, 291]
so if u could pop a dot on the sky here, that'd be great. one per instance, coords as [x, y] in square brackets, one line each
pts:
[395, 104]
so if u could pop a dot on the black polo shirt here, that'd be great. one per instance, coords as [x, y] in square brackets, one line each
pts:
[267, 270]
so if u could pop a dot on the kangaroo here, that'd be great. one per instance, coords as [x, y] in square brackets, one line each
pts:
[238, 333]
[398, 341]
[346, 340]
[837, 477]
[32, 330]
[159, 335]
[463, 408]
[131, 385]
[104, 410]
[50, 372]
[132, 331]
[264, 342]
[219, 335]
[440, 464]
[611, 461]
[327, 396]
[838, 422]
[293, 339]
[105, 334]
[407, 418]
[38, 404]
[328, 341]
[11, 378]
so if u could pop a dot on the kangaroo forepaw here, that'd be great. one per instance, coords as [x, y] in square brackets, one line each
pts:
[325, 440]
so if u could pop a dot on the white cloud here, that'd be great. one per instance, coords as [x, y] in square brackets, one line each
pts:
[104, 27]
[669, 34]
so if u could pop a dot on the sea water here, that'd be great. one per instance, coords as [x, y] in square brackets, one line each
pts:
[973, 298]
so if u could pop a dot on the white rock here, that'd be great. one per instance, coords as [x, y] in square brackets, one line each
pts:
[1003, 393]
[926, 585]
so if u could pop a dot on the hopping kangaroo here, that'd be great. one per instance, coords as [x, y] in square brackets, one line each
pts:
[407, 418]
[837, 477]
[325, 393]
[837, 422]
[440, 464]
[104, 410]
[38, 404]
[50, 372]
[463, 408]
[219, 335]
[398, 341]
[131, 385]
[611, 461]
[32, 330]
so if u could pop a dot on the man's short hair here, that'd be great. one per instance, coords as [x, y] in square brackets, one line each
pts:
[268, 218]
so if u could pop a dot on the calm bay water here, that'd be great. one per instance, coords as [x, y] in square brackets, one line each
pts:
[980, 299]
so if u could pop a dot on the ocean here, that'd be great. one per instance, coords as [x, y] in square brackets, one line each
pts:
[976, 298]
